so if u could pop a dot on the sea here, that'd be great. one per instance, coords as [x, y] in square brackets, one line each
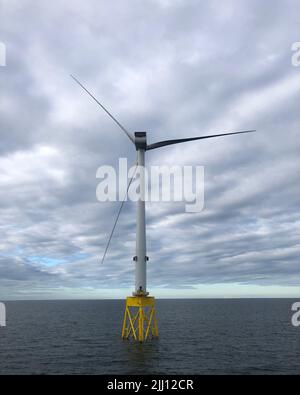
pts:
[197, 336]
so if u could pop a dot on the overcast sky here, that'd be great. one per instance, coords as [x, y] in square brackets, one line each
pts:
[175, 69]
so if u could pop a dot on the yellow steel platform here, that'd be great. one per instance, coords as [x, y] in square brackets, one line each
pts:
[140, 318]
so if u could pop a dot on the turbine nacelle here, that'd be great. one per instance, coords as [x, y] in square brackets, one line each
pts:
[140, 140]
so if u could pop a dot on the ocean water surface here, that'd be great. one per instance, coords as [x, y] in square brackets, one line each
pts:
[203, 336]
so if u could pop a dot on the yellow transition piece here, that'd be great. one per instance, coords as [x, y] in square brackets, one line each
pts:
[140, 318]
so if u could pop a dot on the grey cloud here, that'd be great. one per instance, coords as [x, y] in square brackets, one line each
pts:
[175, 69]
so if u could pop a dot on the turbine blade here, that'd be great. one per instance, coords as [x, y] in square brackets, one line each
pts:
[118, 215]
[177, 141]
[129, 135]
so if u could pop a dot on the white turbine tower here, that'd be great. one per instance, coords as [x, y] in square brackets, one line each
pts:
[141, 324]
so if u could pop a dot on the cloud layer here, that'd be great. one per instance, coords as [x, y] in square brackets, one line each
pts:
[175, 69]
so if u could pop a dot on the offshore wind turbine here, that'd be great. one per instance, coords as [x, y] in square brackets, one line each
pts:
[140, 315]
